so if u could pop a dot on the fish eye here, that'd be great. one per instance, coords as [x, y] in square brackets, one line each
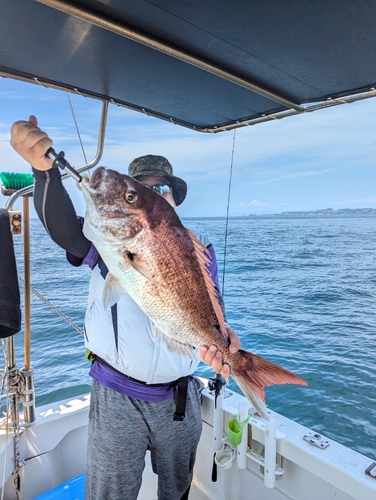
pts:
[131, 197]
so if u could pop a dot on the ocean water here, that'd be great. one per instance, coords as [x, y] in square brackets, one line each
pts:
[299, 291]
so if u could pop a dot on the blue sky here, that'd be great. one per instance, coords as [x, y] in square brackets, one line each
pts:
[318, 160]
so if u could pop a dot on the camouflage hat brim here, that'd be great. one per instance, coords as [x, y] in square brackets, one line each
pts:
[161, 167]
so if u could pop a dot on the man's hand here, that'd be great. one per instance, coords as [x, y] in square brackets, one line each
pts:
[31, 143]
[213, 358]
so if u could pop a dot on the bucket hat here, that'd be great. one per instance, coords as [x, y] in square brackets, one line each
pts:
[160, 166]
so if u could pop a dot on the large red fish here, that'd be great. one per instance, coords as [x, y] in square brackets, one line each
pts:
[162, 265]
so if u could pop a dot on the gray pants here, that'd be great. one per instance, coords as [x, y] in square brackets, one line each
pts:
[122, 429]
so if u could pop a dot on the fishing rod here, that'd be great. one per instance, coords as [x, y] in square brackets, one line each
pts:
[227, 215]
[217, 385]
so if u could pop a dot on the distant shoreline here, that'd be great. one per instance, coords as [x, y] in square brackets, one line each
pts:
[327, 212]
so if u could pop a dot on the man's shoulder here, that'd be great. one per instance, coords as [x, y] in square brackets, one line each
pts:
[202, 238]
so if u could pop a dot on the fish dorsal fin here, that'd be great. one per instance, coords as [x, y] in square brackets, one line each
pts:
[184, 350]
[204, 259]
[112, 291]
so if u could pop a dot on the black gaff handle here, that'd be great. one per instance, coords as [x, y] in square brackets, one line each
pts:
[61, 162]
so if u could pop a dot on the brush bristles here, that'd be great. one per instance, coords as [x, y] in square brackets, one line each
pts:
[14, 180]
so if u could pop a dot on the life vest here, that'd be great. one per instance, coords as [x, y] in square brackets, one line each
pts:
[124, 336]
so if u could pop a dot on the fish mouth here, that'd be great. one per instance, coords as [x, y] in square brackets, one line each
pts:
[92, 184]
[97, 177]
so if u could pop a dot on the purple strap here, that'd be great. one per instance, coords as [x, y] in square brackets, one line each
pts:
[119, 382]
[92, 257]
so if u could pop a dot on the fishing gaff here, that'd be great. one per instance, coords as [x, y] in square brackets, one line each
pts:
[61, 162]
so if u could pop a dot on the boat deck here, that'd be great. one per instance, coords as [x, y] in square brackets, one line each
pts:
[149, 485]
[196, 493]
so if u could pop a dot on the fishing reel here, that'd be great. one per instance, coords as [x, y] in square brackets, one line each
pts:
[216, 384]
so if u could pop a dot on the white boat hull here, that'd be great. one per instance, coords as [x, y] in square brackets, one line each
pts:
[54, 451]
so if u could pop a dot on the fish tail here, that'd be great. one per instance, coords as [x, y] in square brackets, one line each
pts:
[252, 373]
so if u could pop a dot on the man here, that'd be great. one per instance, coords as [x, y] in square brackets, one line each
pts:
[143, 395]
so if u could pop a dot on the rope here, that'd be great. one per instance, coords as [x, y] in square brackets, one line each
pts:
[6, 420]
[57, 311]
[15, 388]
[17, 382]
[227, 215]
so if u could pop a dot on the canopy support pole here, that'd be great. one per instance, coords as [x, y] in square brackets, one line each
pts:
[27, 371]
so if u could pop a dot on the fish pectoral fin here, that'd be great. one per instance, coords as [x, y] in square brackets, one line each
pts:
[112, 291]
[131, 259]
[184, 350]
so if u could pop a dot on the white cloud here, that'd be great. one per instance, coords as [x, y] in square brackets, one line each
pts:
[256, 203]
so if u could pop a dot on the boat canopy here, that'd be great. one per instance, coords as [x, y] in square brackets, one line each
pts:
[208, 65]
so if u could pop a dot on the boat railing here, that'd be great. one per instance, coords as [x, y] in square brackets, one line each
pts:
[101, 136]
